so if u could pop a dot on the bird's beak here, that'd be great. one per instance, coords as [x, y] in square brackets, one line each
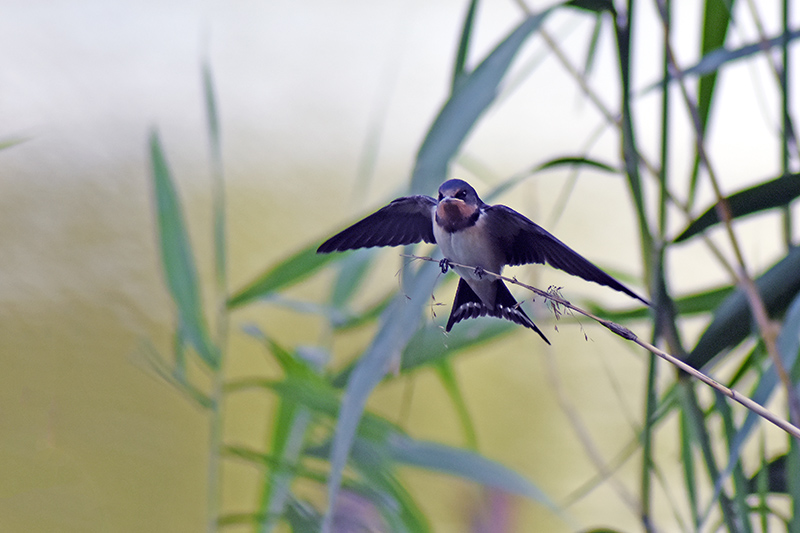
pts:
[451, 199]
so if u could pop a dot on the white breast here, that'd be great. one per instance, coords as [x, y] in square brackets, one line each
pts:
[469, 246]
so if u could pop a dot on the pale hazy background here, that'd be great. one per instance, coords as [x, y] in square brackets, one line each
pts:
[90, 440]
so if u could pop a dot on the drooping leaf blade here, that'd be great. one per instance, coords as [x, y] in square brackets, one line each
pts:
[732, 321]
[473, 95]
[691, 304]
[577, 161]
[465, 464]
[715, 59]
[372, 459]
[8, 143]
[449, 380]
[460, 66]
[292, 270]
[215, 144]
[289, 428]
[430, 345]
[591, 52]
[177, 259]
[767, 195]
[570, 161]
[716, 21]
[595, 6]
[399, 322]
[352, 273]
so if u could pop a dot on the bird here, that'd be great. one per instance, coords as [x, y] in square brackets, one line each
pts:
[471, 232]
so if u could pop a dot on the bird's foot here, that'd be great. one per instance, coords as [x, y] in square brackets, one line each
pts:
[480, 272]
[444, 264]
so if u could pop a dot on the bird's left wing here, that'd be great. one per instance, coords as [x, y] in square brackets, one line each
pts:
[526, 242]
[406, 220]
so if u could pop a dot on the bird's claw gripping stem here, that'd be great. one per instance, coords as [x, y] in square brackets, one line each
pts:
[444, 264]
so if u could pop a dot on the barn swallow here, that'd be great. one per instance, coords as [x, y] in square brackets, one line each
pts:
[471, 232]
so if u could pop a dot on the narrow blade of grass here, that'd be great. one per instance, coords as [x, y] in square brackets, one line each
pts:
[687, 462]
[430, 345]
[450, 382]
[288, 435]
[716, 59]
[716, 21]
[732, 321]
[474, 94]
[177, 259]
[778, 192]
[398, 324]
[292, 270]
[793, 483]
[735, 449]
[460, 66]
[353, 271]
[467, 465]
[215, 142]
[692, 304]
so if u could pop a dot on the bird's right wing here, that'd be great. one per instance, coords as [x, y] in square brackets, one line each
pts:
[526, 242]
[406, 220]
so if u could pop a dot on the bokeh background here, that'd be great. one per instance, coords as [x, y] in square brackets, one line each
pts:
[323, 107]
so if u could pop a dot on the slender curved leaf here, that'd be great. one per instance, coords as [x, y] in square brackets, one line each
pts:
[215, 144]
[732, 321]
[770, 194]
[577, 161]
[375, 458]
[716, 22]
[570, 161]
[292, 270]
[448, 378]
[630, 151]
[465, 464]
[734, 470]
[288, 435]
[460, 68]
[714, 60]
[349, 321]
[301, 516]
[353, 271]
[430, 344]
[591, 52]
[399, 322]
[8, 143]
[595, 6]
[372, 459]
[692, 304]
[772, 475]
[473, 95]
[177, 259]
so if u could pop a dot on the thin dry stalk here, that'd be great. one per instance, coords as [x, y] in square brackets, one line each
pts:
[627, 334]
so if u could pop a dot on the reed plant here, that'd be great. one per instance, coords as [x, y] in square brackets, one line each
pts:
[323, 436]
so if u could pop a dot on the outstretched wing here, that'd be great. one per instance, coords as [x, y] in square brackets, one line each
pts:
[404, 221]
[526, 242]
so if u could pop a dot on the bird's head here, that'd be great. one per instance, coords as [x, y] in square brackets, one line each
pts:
[458, 204]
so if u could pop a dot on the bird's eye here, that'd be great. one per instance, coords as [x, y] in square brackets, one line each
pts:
[461, 194]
